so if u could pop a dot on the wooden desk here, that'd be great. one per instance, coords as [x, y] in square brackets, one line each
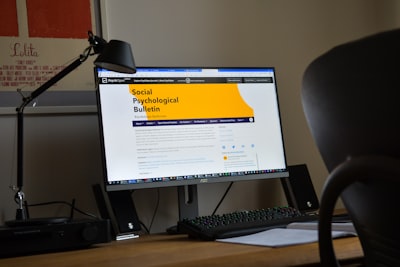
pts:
[167, 250]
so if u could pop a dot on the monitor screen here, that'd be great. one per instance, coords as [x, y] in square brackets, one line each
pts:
[183, 126]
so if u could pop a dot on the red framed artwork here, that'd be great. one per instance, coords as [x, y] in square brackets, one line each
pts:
[40, 38]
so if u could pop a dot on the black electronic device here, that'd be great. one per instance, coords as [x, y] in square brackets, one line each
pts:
[43, 238]
[184, 126]
[299, 189]
[118, 207]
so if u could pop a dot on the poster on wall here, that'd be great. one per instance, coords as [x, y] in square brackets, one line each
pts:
[38, 38]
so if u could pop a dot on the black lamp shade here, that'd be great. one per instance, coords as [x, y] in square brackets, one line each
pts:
[116, 56]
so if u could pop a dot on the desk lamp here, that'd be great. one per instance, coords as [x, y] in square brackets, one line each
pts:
[116, 56]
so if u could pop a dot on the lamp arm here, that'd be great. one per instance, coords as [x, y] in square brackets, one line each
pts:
[52, 81]
[56, 78]
[26, 100]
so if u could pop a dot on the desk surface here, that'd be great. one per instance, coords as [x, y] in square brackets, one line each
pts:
[167, 250]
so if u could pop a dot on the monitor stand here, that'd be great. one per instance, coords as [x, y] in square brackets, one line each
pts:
[188, 201]
[188, 204]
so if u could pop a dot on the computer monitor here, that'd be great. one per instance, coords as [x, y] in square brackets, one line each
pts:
[183, 126]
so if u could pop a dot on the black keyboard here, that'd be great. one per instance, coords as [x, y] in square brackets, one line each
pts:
[241, 223]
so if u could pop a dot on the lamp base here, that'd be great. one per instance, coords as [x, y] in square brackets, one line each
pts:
[37, 221]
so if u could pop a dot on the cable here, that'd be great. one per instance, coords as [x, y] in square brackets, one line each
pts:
[155, 209]
[148, 229]
[223, 197]
[143, 225]
[71, 205]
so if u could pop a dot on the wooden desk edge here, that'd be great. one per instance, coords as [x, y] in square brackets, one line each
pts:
[177, 251]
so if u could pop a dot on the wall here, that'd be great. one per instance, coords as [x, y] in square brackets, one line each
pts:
[284, 34]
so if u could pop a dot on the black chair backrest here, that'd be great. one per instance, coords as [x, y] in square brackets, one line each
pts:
[351, 99]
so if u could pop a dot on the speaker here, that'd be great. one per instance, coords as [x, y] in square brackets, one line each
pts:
[117, 206]
[124, 211]
[299, 189]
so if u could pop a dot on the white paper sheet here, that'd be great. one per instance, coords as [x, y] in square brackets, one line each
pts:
[280, 237]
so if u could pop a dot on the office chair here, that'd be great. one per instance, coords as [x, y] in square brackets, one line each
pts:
[351, 100]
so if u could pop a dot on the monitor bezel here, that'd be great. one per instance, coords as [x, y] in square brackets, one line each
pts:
[284, 173]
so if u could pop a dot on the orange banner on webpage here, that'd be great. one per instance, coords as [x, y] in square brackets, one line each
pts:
[188, 101]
